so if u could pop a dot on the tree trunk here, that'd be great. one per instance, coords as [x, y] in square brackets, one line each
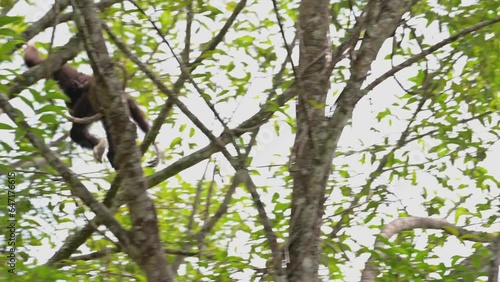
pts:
[317, 136]
[309, 168]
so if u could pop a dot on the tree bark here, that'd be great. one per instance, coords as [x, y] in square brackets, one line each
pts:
[309, 169]
[143, 243]
[317, 136]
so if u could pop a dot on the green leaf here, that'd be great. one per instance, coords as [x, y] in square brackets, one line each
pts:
[175, 142]
[6, 126]
[4, 20]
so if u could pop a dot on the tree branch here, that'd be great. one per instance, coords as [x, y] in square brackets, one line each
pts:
[410, 223]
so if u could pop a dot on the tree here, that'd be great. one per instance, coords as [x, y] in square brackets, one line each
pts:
[323, 174]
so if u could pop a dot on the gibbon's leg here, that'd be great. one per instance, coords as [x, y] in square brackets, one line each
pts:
[80, 132]
[137, 114]
[111, 148]
[140, 118]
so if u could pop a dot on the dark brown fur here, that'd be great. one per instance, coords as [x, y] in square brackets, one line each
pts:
[79, 88]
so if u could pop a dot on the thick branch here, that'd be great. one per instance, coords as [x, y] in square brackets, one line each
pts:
[145, 247]
[410, 223]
